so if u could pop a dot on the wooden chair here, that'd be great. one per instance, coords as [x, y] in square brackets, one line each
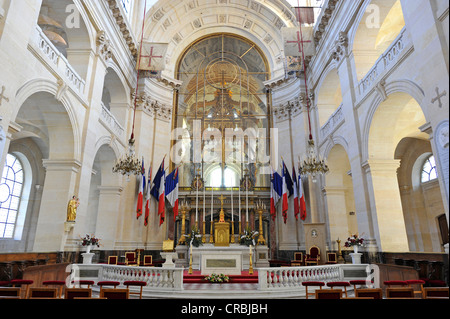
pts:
[375, 293]
[402, 293]
[21, 283]
[307, 284]
[80, 283]
[9, 293]
[435, 293]
[148, 261]
[112, 260]
[298, 259]
[420, 283]
[313, 257]
[130, 258]
[72, 293]
[140, 284]
[111, 293]
[344, 284]
[328, 294]
[358, 282]
[331, 258]
[59, 283]
[43, 293]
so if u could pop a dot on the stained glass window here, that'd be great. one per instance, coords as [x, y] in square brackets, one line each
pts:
[10, 193]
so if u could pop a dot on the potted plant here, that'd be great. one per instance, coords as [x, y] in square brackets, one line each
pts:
[194, 238]
[214, 278]
[89, 241]
[354, 241]
[248, 237]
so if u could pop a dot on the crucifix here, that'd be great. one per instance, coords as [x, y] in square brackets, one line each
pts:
[150, 57]
[299, 42]
[222, 213]
[438, 97]
[2, 96]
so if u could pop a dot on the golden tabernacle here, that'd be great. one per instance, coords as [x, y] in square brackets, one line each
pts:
[222, 228]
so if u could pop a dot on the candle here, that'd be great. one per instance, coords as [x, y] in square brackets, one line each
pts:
[196, 203]
[212, 204]
[246, 199]
[204, 202]
[232, 204]
[239, 202]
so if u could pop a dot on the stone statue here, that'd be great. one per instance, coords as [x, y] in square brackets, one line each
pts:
[72, 209]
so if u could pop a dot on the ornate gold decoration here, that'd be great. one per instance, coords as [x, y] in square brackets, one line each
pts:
[184, 209]
[312, 165]
[260, 207]
[129, 164]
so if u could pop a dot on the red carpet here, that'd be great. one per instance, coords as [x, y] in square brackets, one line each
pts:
[243, 278]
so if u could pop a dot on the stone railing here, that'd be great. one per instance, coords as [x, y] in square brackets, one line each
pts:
[333, 122]
[111, 123]
[49, 54]
[288, 278]
[155, 277]
[384, 62]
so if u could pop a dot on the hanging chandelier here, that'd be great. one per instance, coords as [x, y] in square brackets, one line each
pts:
[312, 165]
[129, 164]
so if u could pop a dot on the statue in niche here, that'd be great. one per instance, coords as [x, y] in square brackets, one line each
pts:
[72, 206]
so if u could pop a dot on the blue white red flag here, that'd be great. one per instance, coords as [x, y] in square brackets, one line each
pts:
[171, 190]
[140, 200]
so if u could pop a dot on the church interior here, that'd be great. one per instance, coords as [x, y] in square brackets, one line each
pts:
[282, 148]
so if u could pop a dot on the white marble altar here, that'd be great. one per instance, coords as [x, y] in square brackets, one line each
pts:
[235, 251]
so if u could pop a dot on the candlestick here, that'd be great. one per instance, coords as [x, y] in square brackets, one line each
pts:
[190, 261]
[196, 205]
[246, 200]
[250, 270]
[211, 238]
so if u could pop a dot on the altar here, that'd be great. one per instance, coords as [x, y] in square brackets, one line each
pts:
[228, 260]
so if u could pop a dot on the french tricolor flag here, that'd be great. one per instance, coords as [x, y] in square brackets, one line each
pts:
[296, 200]
[171, 190]
[140, 200]
[301, 197]
[147, 197]
[276, 189]
[157, 191]
[284, 206]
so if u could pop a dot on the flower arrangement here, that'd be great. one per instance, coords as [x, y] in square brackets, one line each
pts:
[248, 237]
[90, 240]
[354, 240]
[217, 278]
[194, 238]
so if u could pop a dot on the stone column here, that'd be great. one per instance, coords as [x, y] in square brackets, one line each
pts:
[108, 215]
[385, 201]
[58, 189]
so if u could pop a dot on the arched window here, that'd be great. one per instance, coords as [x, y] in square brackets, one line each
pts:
[216, 178]
[10, 193]
[429, 170]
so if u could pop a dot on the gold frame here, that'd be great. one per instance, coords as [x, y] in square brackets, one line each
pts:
[318, 256]
[126, 259]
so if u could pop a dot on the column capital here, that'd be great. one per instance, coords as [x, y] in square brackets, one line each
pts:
[61, 165]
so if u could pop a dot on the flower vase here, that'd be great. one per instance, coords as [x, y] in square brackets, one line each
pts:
[355, 249]
[88, 249]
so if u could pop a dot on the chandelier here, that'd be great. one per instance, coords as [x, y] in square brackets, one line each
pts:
[312, 165]
[129, 164]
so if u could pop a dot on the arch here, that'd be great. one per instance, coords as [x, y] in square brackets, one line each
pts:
[400, 86]
[47, 89]
[377, 24]
[116, 95]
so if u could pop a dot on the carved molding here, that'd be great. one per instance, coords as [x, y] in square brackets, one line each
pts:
[121, 22]
[327, 13]
[104, 46]
[340, 47]
[152, 107]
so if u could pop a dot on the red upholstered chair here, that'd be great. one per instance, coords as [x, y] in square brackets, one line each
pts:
[328, 294]
[420, 283]
[109, 293]
[102, 284]
[375, 293]
[72, 293]
[43, 293]
[112, 260]
[331, 258]
[403, 292]
[9, 293]
[298, 259]
[59, 283]
[391, 283]
[357, 283]
[307, 284]
[344, 284]
[140, 284]
[148, 261]
[5, 283]
[87, 283]
[313, 257]
[21, 283]
[435, 292]
[130, 258]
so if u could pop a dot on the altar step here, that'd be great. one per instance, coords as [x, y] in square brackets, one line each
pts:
[198, 278]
